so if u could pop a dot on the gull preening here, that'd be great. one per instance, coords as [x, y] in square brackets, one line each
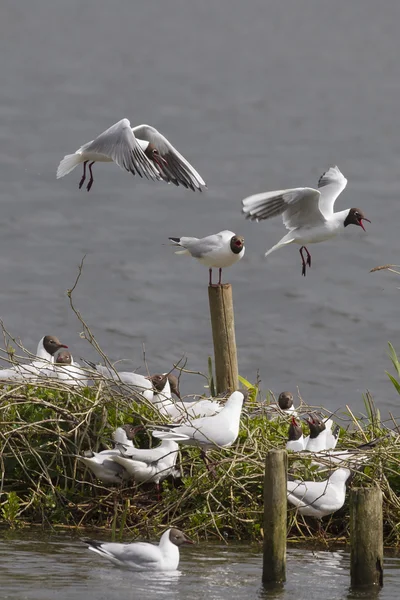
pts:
[307, 213]
[218, 251]
[319, 498]
[101, 464]
[142, 556]
[151, 465]
[140, 150]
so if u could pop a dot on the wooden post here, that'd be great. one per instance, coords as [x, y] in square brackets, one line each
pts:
[366, 537]
[223, 331]
[275, 518]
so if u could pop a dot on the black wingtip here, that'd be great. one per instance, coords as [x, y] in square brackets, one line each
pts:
[176, 240]
[91, 542]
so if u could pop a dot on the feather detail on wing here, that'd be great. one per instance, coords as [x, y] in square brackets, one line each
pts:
[173, 167]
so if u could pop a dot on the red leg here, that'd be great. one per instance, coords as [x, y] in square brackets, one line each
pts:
[308, 257]
[303, 268]
[220, 275]
[210, 280]
[84, 175]
[90, 183]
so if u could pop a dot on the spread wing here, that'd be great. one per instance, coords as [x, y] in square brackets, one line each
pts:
[119, 143]
[330, 185]
[299, 207]
[174, 167]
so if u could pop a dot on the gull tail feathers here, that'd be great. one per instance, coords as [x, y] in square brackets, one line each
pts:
[287, 239]
[177, 242]
[68, 164]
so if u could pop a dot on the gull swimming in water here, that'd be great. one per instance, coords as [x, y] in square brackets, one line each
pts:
[142, 556]
[307, 213]
[218, 251]
[140, 150]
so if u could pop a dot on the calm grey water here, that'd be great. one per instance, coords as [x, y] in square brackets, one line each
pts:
[257, 95]
[64, 569]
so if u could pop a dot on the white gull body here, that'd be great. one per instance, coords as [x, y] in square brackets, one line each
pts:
[221, 429]
[142, 556]
[101, 464]
[149, 465]
[307, 213]
[219, 250]
[319, 498]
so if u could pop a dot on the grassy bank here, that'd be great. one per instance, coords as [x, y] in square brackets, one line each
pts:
[42, 429]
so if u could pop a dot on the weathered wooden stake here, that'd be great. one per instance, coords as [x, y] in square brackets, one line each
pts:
[275, 516]
[223, 330]
[366, 537]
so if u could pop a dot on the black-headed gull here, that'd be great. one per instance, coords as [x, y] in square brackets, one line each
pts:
[101, 463]
[67, 371]
[283, 408]
[307, 213]
[142, 150]
[47, 348]
[319, 498]
[142, 556]
[296, 440]
[220, 430]
[149, 465]
[322, 437]
[218, 251]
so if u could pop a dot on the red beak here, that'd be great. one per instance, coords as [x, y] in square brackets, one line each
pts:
[63, 346]
[360, 222]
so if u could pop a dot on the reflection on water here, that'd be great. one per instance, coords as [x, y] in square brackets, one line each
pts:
[62, 568]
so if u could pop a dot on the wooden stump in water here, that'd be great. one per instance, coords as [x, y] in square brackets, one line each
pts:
[275, 518]
[366, 537]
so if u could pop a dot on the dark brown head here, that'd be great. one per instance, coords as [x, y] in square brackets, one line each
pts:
[153, 154]
[356, 217]
[316, 426]
[237, 244]
[51, 344]
[174, 383]
[158, 381]
[285, 400]
[131, 430]
[178, 538]
[64, 358]
[295, 431]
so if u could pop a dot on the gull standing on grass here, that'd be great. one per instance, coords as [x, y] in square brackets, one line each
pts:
[307, 212]
[218, 251]
[319, 498]
[142, 150]
[142, 556]
[47, 348]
